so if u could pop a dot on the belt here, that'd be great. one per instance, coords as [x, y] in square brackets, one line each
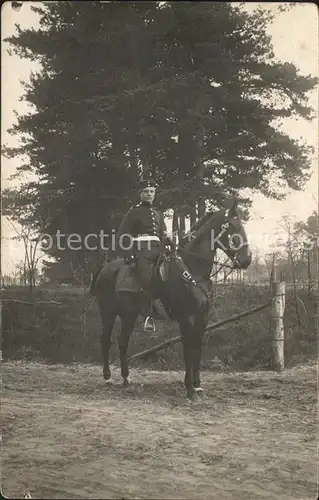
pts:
[147, 237]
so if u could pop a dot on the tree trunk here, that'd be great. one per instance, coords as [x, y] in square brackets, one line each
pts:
[201, 208]
[31, 279]
[272, 272]
[146, 167]
[175, 229]
[25, 277]
[309, 274]
[181, 223]
[117, 153]
[133, 160]
[200, 167]
[193, 217]
[293, 274]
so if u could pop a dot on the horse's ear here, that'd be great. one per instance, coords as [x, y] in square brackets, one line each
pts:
[233, 211]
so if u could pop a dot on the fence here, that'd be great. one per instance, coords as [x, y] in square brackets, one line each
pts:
[58, 325]
[277, 307]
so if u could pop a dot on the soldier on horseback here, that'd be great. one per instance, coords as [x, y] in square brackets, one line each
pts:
[141, 238]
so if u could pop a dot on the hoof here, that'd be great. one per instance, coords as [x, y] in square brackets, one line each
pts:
[127, 381]
[108, 381]
[192, 398]
[199, 390]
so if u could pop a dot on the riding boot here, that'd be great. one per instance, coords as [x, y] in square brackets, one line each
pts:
[149, 323]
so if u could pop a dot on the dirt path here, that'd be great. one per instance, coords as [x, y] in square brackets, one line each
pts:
[67, 435]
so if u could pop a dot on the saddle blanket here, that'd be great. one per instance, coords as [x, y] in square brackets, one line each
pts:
[126, 281]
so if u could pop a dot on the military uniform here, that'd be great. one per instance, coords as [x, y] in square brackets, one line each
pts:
[143, 233]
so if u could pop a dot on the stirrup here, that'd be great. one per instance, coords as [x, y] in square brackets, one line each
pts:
[149, 325]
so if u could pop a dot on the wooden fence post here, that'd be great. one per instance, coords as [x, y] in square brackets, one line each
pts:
[277, 325]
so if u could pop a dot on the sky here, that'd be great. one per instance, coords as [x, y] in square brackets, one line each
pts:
[295, 39]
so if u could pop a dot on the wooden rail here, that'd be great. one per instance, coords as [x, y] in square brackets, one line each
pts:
[277, 306]
[209, 328]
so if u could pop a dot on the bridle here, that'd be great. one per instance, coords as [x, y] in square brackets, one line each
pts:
[188, 278]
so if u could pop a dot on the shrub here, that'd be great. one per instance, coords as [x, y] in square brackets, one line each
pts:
[70, 332]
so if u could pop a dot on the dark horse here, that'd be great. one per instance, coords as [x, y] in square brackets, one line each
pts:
[185, 294]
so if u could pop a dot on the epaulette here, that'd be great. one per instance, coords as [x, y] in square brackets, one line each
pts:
[132, 207]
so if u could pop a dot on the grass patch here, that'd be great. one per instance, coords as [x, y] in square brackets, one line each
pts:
[70, 332]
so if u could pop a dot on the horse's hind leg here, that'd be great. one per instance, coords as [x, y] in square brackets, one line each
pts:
[127, 321]
[108, 318]
[197, 342]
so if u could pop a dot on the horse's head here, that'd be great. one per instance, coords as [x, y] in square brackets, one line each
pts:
[230, 236]
[222, 230]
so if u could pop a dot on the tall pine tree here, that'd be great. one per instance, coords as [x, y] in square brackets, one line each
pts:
[121, 80]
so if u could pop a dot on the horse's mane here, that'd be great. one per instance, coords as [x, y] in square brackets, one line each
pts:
[197, 228]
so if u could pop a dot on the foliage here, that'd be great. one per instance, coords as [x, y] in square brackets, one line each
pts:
[308, 232]
[119, 81]
[299, 249]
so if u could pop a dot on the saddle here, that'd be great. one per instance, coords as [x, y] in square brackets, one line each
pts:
[127, 281]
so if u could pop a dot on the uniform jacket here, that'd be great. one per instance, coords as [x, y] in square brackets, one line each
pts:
[142, 218]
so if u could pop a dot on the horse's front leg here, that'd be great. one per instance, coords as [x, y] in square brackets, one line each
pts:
[186, 333]
[127, 321]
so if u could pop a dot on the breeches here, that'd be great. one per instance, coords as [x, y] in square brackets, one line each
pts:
[146, 258]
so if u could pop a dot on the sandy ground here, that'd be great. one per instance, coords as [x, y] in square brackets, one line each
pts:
[68, 435]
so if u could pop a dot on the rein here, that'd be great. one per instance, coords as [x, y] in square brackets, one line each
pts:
[191, 281]
[188, 278]
[222, 266]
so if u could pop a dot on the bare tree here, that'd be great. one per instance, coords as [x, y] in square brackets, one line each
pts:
[307, 233]
[31, 244]
[295, 251]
